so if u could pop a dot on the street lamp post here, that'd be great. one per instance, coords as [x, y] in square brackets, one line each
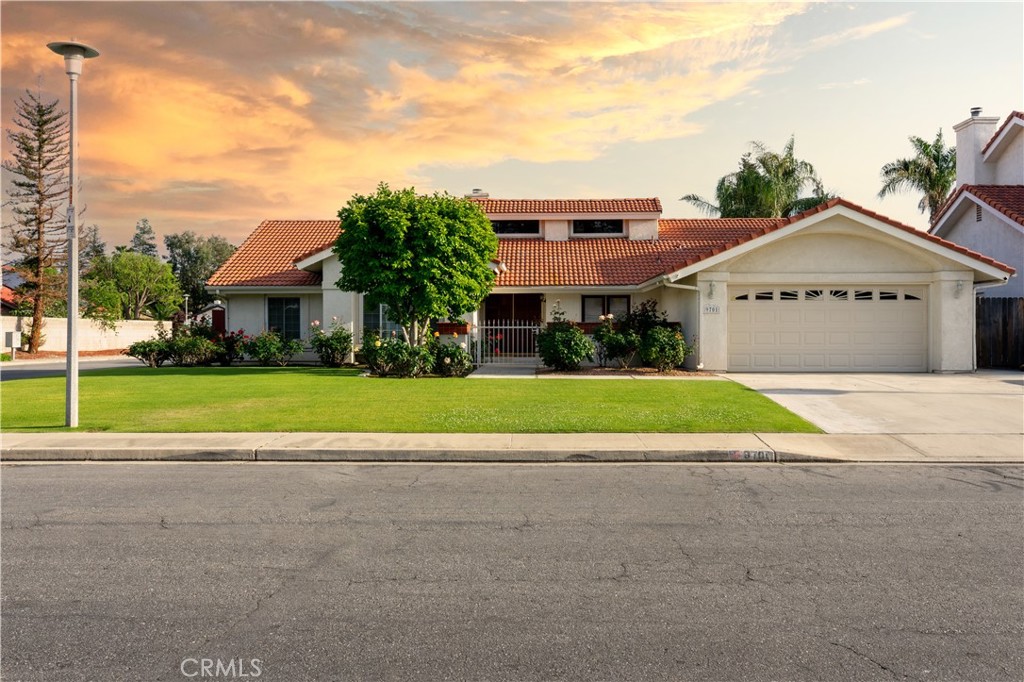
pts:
[74, 55]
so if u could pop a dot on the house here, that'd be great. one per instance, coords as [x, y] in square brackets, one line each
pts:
[986, 212]
[837, 288]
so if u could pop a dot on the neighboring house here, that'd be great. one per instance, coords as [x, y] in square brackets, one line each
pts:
[837, 288]
[8, 300]
[986, 212]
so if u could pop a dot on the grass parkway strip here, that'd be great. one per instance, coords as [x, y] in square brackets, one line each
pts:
[314, 399]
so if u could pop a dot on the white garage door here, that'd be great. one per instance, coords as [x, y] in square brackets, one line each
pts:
[829, 328]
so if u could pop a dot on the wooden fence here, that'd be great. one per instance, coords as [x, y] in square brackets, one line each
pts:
[1000, 332]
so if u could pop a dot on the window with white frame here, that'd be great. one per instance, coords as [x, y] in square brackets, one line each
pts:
[375, 319]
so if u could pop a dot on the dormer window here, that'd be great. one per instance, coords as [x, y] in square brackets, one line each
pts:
[597, 227]
[514, 227]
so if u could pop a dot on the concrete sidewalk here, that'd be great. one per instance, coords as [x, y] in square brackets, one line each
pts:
[526, 448]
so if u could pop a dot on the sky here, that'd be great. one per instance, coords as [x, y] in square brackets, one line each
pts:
[214, 116]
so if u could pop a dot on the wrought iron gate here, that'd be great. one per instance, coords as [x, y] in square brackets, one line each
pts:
[506, 341]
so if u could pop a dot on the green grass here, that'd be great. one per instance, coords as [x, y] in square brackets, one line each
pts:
[174, 399]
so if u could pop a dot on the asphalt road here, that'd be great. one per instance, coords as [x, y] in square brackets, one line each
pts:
[36, 369]
[132, 571]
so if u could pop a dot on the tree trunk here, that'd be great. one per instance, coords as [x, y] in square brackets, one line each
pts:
[36, 336]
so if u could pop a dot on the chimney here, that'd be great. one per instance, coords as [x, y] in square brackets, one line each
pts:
[971, 137]
[477, 193]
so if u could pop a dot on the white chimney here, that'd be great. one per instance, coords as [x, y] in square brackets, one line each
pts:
[971, 137]
[477, 193]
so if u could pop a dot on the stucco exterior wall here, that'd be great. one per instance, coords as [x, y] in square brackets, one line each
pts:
[993, 237]
[91, 335]
[842, 251]
[1009, 166]
[951, 323]
[249, 313]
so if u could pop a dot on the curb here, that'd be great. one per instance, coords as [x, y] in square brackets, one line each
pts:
[391, 455]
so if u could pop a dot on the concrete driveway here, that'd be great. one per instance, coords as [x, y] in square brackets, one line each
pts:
[963, 415]
[986, 402]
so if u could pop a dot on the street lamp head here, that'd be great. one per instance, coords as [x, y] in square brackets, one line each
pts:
[74, 54]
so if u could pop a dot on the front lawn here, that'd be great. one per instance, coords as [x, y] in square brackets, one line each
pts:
[174, 399]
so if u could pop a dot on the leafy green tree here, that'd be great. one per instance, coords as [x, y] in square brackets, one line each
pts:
[425, 257]
[143, 284]
[194, 259]
[766, 185]
[144, 239]
[38, 188]
[931, 171]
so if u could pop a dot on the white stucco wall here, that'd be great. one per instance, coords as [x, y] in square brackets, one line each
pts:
[840, 250]
[248, 312]
[91, 336]
[1009, 164]
[994, 237]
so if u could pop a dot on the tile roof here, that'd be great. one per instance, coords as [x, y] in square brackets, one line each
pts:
[1009, 119]
[267, 256]
[8, 296]
[582, 206]
[1006, 199]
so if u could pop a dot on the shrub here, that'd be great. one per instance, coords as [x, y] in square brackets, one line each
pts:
[5, 357]
[393, 357]
[643, 317]
[663, 348]
[228, 347]
[188, 351]
[152, 352]
[333, 346]
[268, 348]
[622, 347]
[562, 345]
[451, 360]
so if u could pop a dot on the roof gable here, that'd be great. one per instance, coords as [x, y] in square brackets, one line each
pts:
[834, 206]
[1006, 200]
[1010, 128]
[267, 257]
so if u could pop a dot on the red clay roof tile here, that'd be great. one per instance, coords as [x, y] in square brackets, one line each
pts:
[267, 257]
[580, 206]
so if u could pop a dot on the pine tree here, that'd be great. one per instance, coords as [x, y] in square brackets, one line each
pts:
[144, 240]
[90, 247]
[38, 187]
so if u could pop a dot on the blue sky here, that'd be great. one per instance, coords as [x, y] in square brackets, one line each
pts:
[215, 116]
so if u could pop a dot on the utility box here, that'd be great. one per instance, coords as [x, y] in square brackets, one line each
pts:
[9, 339]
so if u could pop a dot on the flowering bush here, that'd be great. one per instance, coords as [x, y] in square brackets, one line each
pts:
[228, 347]
[332, 346]
[451, 360]
[663, 348]
[393, 357]
[268, 348]
[563, 345]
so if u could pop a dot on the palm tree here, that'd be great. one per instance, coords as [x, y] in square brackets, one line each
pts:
[767, 185]
[932, 171]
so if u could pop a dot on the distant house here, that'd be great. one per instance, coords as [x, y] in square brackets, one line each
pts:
[837, 288]
[986, 212]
